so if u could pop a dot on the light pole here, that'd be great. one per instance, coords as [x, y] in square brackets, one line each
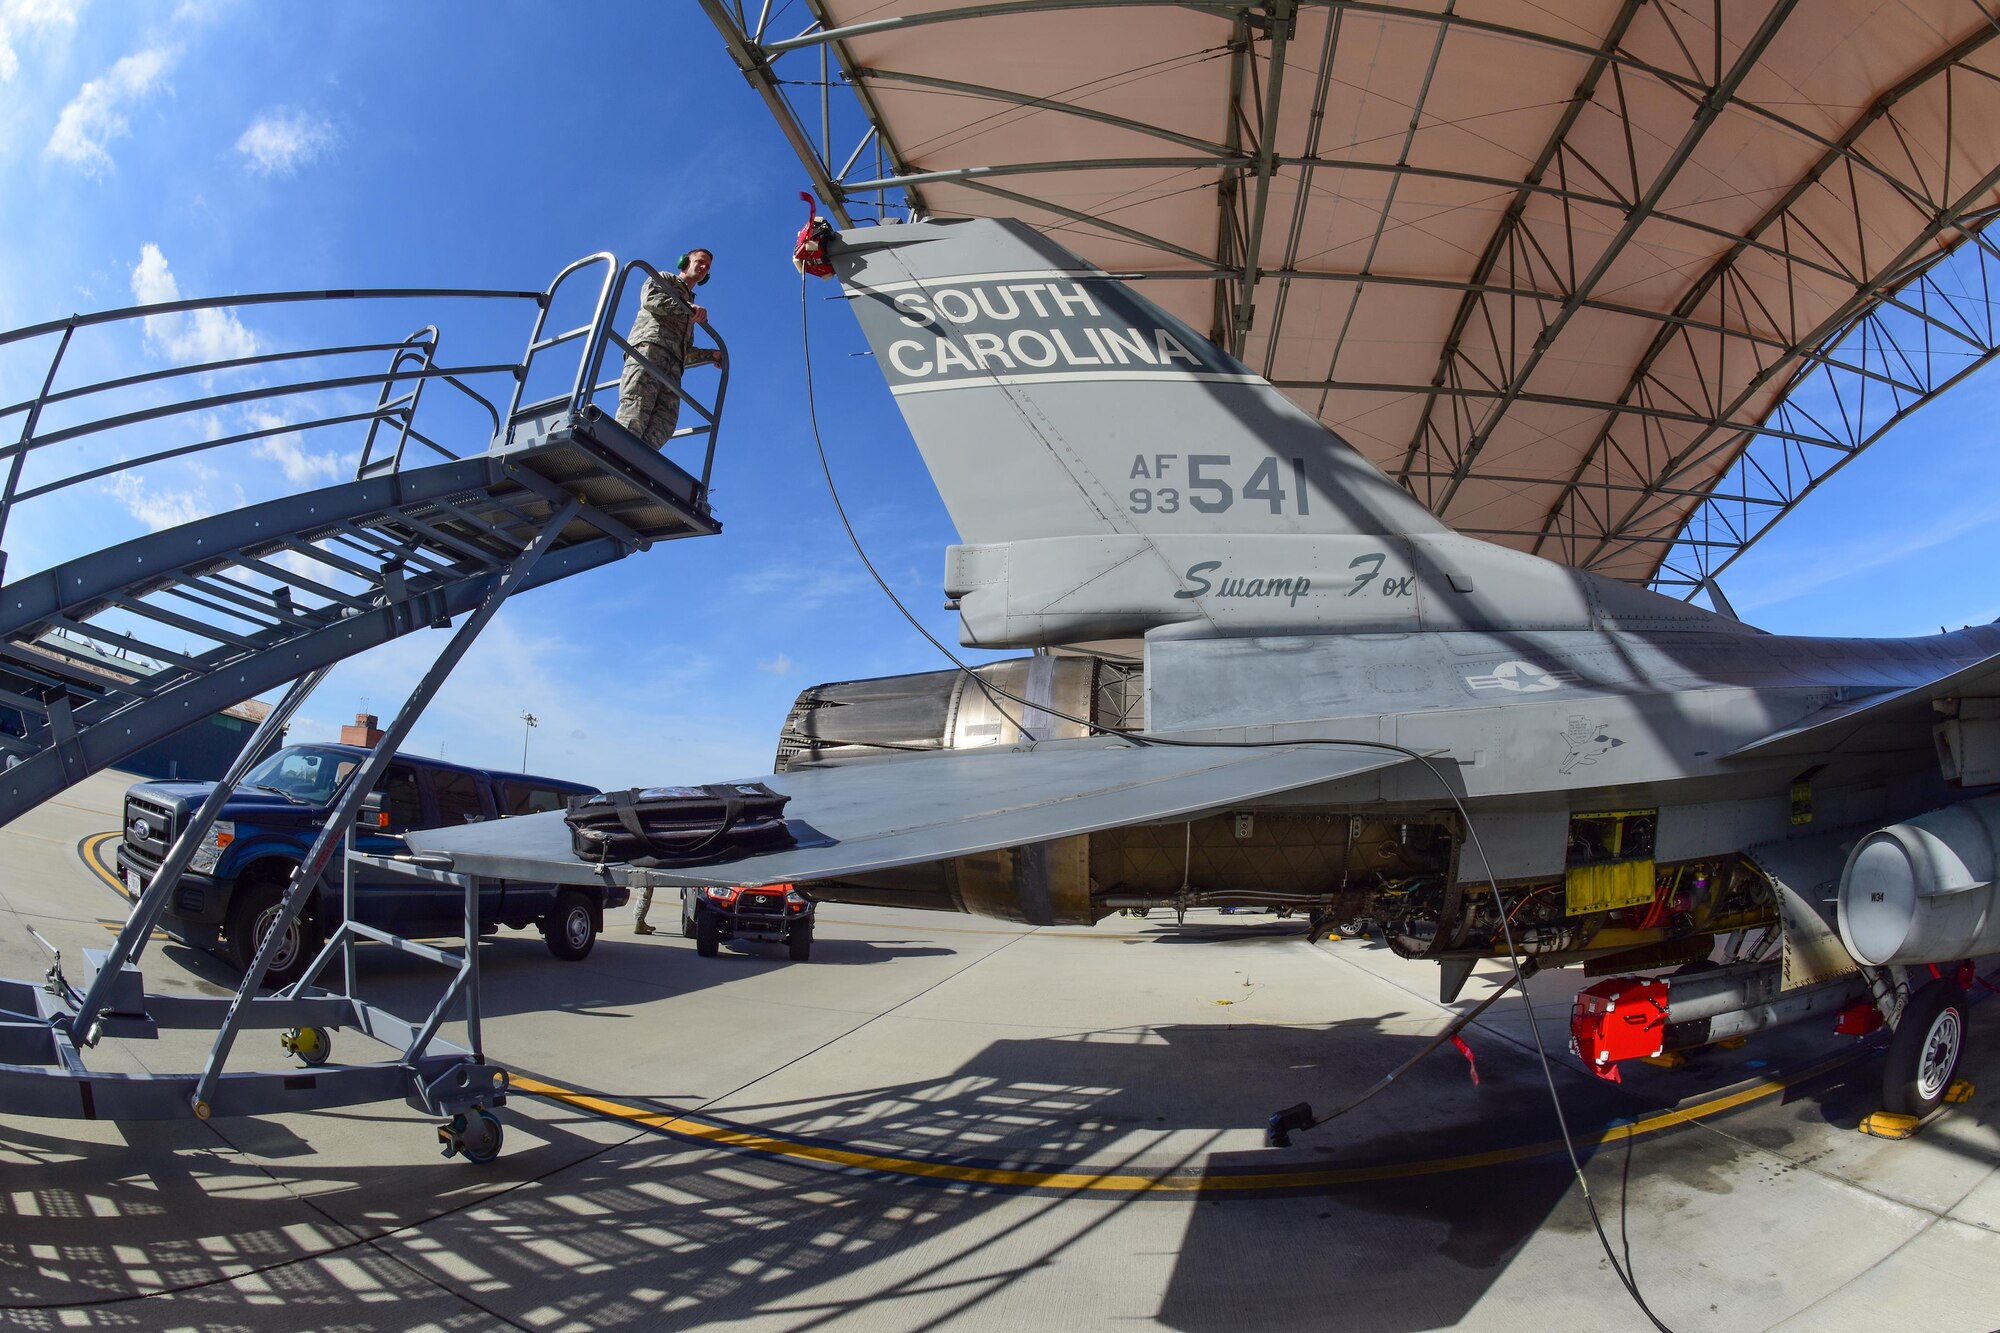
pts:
[530, 722]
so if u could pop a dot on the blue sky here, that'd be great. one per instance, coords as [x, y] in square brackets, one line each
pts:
[206, 147]
[221, 146]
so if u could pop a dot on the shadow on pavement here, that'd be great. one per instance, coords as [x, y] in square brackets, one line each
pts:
[661, 1233]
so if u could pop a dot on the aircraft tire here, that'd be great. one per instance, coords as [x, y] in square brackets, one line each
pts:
[1924, 1053]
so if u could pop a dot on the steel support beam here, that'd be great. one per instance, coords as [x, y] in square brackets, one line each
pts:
[361, 784]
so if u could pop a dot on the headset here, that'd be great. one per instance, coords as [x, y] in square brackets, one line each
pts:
[682, 263]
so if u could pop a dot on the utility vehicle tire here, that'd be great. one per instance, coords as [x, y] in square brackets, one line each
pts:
[571, 930]
[1924, 1053]
[707, 934]
[687, 915]
[251, 914]
[800, 943]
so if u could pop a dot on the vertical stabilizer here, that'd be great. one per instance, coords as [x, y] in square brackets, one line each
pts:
[1111, 471]
[1051, 399]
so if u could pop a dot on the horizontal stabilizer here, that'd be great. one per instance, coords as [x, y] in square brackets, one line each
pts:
[859, 818]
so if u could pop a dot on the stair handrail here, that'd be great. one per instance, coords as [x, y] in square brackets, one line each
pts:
[402, 368]
[423, 345]
[538, 344]
[413, 361]
[589, 385]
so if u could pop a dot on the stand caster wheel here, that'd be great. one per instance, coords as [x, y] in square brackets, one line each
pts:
[312, 1045]
[475, 1135]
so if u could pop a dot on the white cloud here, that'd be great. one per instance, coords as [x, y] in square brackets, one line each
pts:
[780, 665]
[280, 141]
[20, 17]
[603, 720]
[308, 568]
[801, 583]
[288, 451]
[1815, 569]
[191, 336]
[96, 115]
[199, 11]
[158, 509]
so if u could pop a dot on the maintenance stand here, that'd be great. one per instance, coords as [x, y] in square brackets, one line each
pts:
[280, 591]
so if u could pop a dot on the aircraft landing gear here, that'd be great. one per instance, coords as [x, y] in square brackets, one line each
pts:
[474, 1134]
[1924, 1054]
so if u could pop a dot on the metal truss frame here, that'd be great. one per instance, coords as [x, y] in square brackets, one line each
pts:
[554, 487]
[1916, 322]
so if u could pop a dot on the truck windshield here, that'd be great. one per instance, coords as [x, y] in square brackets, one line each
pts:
[303, 772]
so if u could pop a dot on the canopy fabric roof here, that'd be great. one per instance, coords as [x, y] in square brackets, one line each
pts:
[1552, 266]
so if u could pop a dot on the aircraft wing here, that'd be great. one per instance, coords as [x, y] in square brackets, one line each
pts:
[877, 814]
[1878, 721]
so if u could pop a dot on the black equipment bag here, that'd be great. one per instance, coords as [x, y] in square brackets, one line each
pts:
[678, 826]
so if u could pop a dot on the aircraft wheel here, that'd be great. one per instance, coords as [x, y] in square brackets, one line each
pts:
[1924, 1053]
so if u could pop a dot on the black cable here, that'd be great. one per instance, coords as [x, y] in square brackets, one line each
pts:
[1140, 738]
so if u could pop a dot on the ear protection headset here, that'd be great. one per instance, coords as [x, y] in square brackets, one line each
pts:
[682, 263]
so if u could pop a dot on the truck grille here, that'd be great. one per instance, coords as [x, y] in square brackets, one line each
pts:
[149, 830]
[761, 902]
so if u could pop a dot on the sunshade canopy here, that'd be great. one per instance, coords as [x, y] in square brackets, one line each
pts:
[1554, 267]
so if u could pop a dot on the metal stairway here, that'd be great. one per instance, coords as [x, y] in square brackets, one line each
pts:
[266, 593]
[279, 590]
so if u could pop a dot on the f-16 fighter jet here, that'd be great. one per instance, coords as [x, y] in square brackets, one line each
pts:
[1216, 588]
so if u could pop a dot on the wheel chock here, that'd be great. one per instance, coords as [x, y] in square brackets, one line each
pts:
[1961, 1090]
[1732, 1043]
[1669, 1060]
[1889, 1125]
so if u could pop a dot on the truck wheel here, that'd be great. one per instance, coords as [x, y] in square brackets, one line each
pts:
[1924, 1053]
[707, 934]
[251, 917]
[800, 943]
[687, 915]
[571, 930]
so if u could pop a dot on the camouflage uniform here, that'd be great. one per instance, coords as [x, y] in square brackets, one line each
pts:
[663, 334]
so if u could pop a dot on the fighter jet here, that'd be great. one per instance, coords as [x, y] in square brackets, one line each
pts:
[1263, 673]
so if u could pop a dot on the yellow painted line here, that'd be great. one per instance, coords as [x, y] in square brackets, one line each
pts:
[91, 851]
[722, 1135]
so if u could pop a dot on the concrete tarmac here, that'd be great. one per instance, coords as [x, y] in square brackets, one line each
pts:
[944, 1122]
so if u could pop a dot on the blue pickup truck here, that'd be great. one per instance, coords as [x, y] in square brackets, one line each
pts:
[229, 896]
